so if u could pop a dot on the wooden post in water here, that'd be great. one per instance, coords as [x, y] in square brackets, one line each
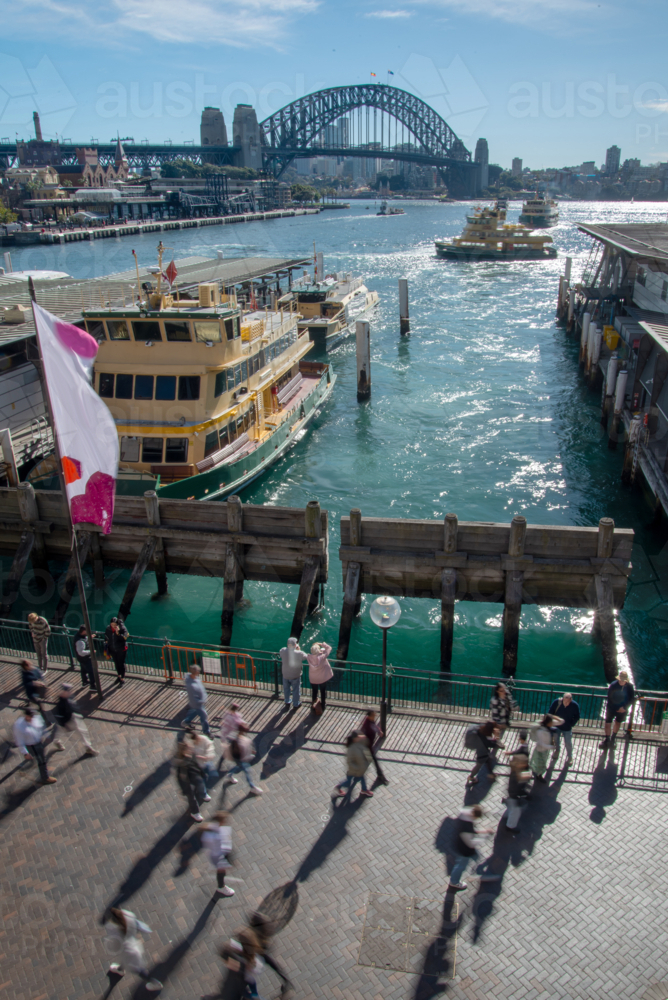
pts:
[632, 442]
[233, 587]
[351, 590]
[448, 592]
[604, 615]
[620, 395]
[571, 309]
[307, 588]
[567, 269]
[140, 567]
[153, 515]
[30, 514]
[19, 563]
[512, 610]
[609, 390]
[363, 333]
[404, 322]
[594, 370]
[83, 545]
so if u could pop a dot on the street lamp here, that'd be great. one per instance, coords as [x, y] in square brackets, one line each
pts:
[385, 612]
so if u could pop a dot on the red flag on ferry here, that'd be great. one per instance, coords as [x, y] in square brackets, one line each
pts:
[171, 273]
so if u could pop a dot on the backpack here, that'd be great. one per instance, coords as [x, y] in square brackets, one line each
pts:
[235, 750]
[472, 738]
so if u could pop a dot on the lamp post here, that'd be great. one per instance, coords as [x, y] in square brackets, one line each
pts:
[385, 612]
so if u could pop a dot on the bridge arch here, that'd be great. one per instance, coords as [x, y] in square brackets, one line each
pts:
[297, 129]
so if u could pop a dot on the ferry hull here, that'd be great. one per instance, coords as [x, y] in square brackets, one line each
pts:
[476, 253]
[539, 221]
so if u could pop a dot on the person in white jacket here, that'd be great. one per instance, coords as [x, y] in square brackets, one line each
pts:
[543, 738]
[122, 941]
[292, 661]
[217, 841]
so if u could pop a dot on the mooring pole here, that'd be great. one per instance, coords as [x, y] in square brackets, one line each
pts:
[363, 333]
[404, 322]
[620, 395]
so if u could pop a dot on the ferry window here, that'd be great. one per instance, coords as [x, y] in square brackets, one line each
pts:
[165, 387]
[251, 416]
[237, 374]
[641, 277]
[261, 359]
[244, 371]
[189, 387]
[106, 385]
[124, 386]
[151, 450]
[119, 329]
[177, 331]
[241, 425]
[224, 437]
[221, 384]
[664, 291]
[208, 331]
[143, 387]
[232, 427]
[211, 443]
[129, 449]
[147, 330]
[232, 328]
[96, 329]
[177, 450]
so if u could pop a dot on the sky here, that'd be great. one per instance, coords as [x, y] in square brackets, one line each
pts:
[554, 82]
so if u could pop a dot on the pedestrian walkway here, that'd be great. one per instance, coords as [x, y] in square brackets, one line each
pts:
[359, 888]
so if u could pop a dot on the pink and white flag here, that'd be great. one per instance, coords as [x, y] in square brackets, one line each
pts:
[85, 428]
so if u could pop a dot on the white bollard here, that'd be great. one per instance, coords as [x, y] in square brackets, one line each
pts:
[611, 375]
[620, 391]
[567, 269]
[363, 336]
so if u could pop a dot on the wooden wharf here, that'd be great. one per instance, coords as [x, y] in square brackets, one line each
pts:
[513, 564]
[229, 539]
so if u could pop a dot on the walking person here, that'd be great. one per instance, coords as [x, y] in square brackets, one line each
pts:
[569, 711]
[518, 784]
[217, 841]
[358, 758]
[242, 958]
[501, 707]
[197, 698]
[122, 941]
[373, 733]
[28, 732]
[319, 673]
[263, 929]
[621, 695]
[40, 630]
[229, 729]
[483, 740]
[82, 653]
[203, 752]
[190, 780]
[467, 841]
[34, 686]
[292, 661]
[66, 717]
[543, 737]
[118, 649]
[240, 752]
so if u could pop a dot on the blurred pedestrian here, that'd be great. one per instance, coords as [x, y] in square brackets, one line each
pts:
[240, 752]
[217, 841]
[242, 957]
[467, 841]
[483, 739]
[231, 722]
[264, 930]
[501, 707]
[543, 737]
[190, 780]
[518, 784]
[358, 758]
[28, 732]
[118, 649]
[197, 698]
[203, 751]
[292, 660]
[40, 630]
[82, 653]
[319, 673]
[66, 717]
[373, 733]
[569, 711]
[34, 685]
[122, 941]
[621, 695]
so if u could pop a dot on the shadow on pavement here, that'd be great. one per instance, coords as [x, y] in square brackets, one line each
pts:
[437, 959]
[142, 869]
[148, 785]
[332, 835]
[277, 756]
[603, 791]
[164, 969]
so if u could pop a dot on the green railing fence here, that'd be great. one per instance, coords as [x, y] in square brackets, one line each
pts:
[460, 695]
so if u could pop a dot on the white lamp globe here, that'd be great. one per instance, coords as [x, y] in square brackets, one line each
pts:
[385, 612]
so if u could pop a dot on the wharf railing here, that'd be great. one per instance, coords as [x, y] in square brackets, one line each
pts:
[432, 692]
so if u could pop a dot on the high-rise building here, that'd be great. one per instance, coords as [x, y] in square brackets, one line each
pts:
[336, 135]
[482, 159]
[212, 128]
[612, 159]
[246, 131]
[516, 168]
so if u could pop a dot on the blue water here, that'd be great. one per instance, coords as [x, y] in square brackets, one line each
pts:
[480, 411]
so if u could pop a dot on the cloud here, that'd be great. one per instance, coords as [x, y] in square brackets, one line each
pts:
[531, 13]
[389, 13]
[239, 23]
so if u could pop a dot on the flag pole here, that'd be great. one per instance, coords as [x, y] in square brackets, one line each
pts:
[63, 489]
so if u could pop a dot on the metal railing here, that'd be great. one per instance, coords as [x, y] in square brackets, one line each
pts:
[459, 695]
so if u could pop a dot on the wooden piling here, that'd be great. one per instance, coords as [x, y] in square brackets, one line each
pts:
[356, 539]
[594, 370]
[305, 605]
[70, 582]
[584, 336]
[363, 334]
[140, 567]
[609, 390]
[571, 309]
[229, 595]
[632, 443]
[404, 321]
[606, 533]
[514, 582]
[153, 516]
[30, 514]
[618, 406]
[19, 563]
[352, 593]
[235, 524]
[448, 592]
[604, 623]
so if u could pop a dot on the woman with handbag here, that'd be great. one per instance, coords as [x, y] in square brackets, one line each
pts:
[543, 738]
[319, 673]
[118, 649]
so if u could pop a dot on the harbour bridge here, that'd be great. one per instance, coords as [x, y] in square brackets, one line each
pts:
[369, 121]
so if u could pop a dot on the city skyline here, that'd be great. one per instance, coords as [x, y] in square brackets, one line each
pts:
[551, 83]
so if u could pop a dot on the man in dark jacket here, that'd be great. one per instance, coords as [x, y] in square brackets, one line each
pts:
[117, 647]
[467, 841]
[65, 715]
[82, 653]
[568, 710]
[621, 695]
[485, 739]
[33, 683]
[373, 733]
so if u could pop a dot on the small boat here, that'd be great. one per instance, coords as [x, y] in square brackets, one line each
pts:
[487, 236]
[539, 212]
[386, 209]
[329, 309]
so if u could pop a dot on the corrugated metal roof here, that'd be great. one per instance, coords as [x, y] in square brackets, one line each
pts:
[638, 239]
[658, 333]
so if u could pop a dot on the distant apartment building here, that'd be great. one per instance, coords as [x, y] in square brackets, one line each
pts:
[516, 167]
[588, 167]
[612, 160]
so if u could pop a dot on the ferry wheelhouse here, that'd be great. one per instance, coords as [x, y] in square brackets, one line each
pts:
[330, 308]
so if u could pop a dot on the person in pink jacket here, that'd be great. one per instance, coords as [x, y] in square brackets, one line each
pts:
[319, 673]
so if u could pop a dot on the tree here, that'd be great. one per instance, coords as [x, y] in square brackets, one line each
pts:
[6, 215]
[304, 192]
